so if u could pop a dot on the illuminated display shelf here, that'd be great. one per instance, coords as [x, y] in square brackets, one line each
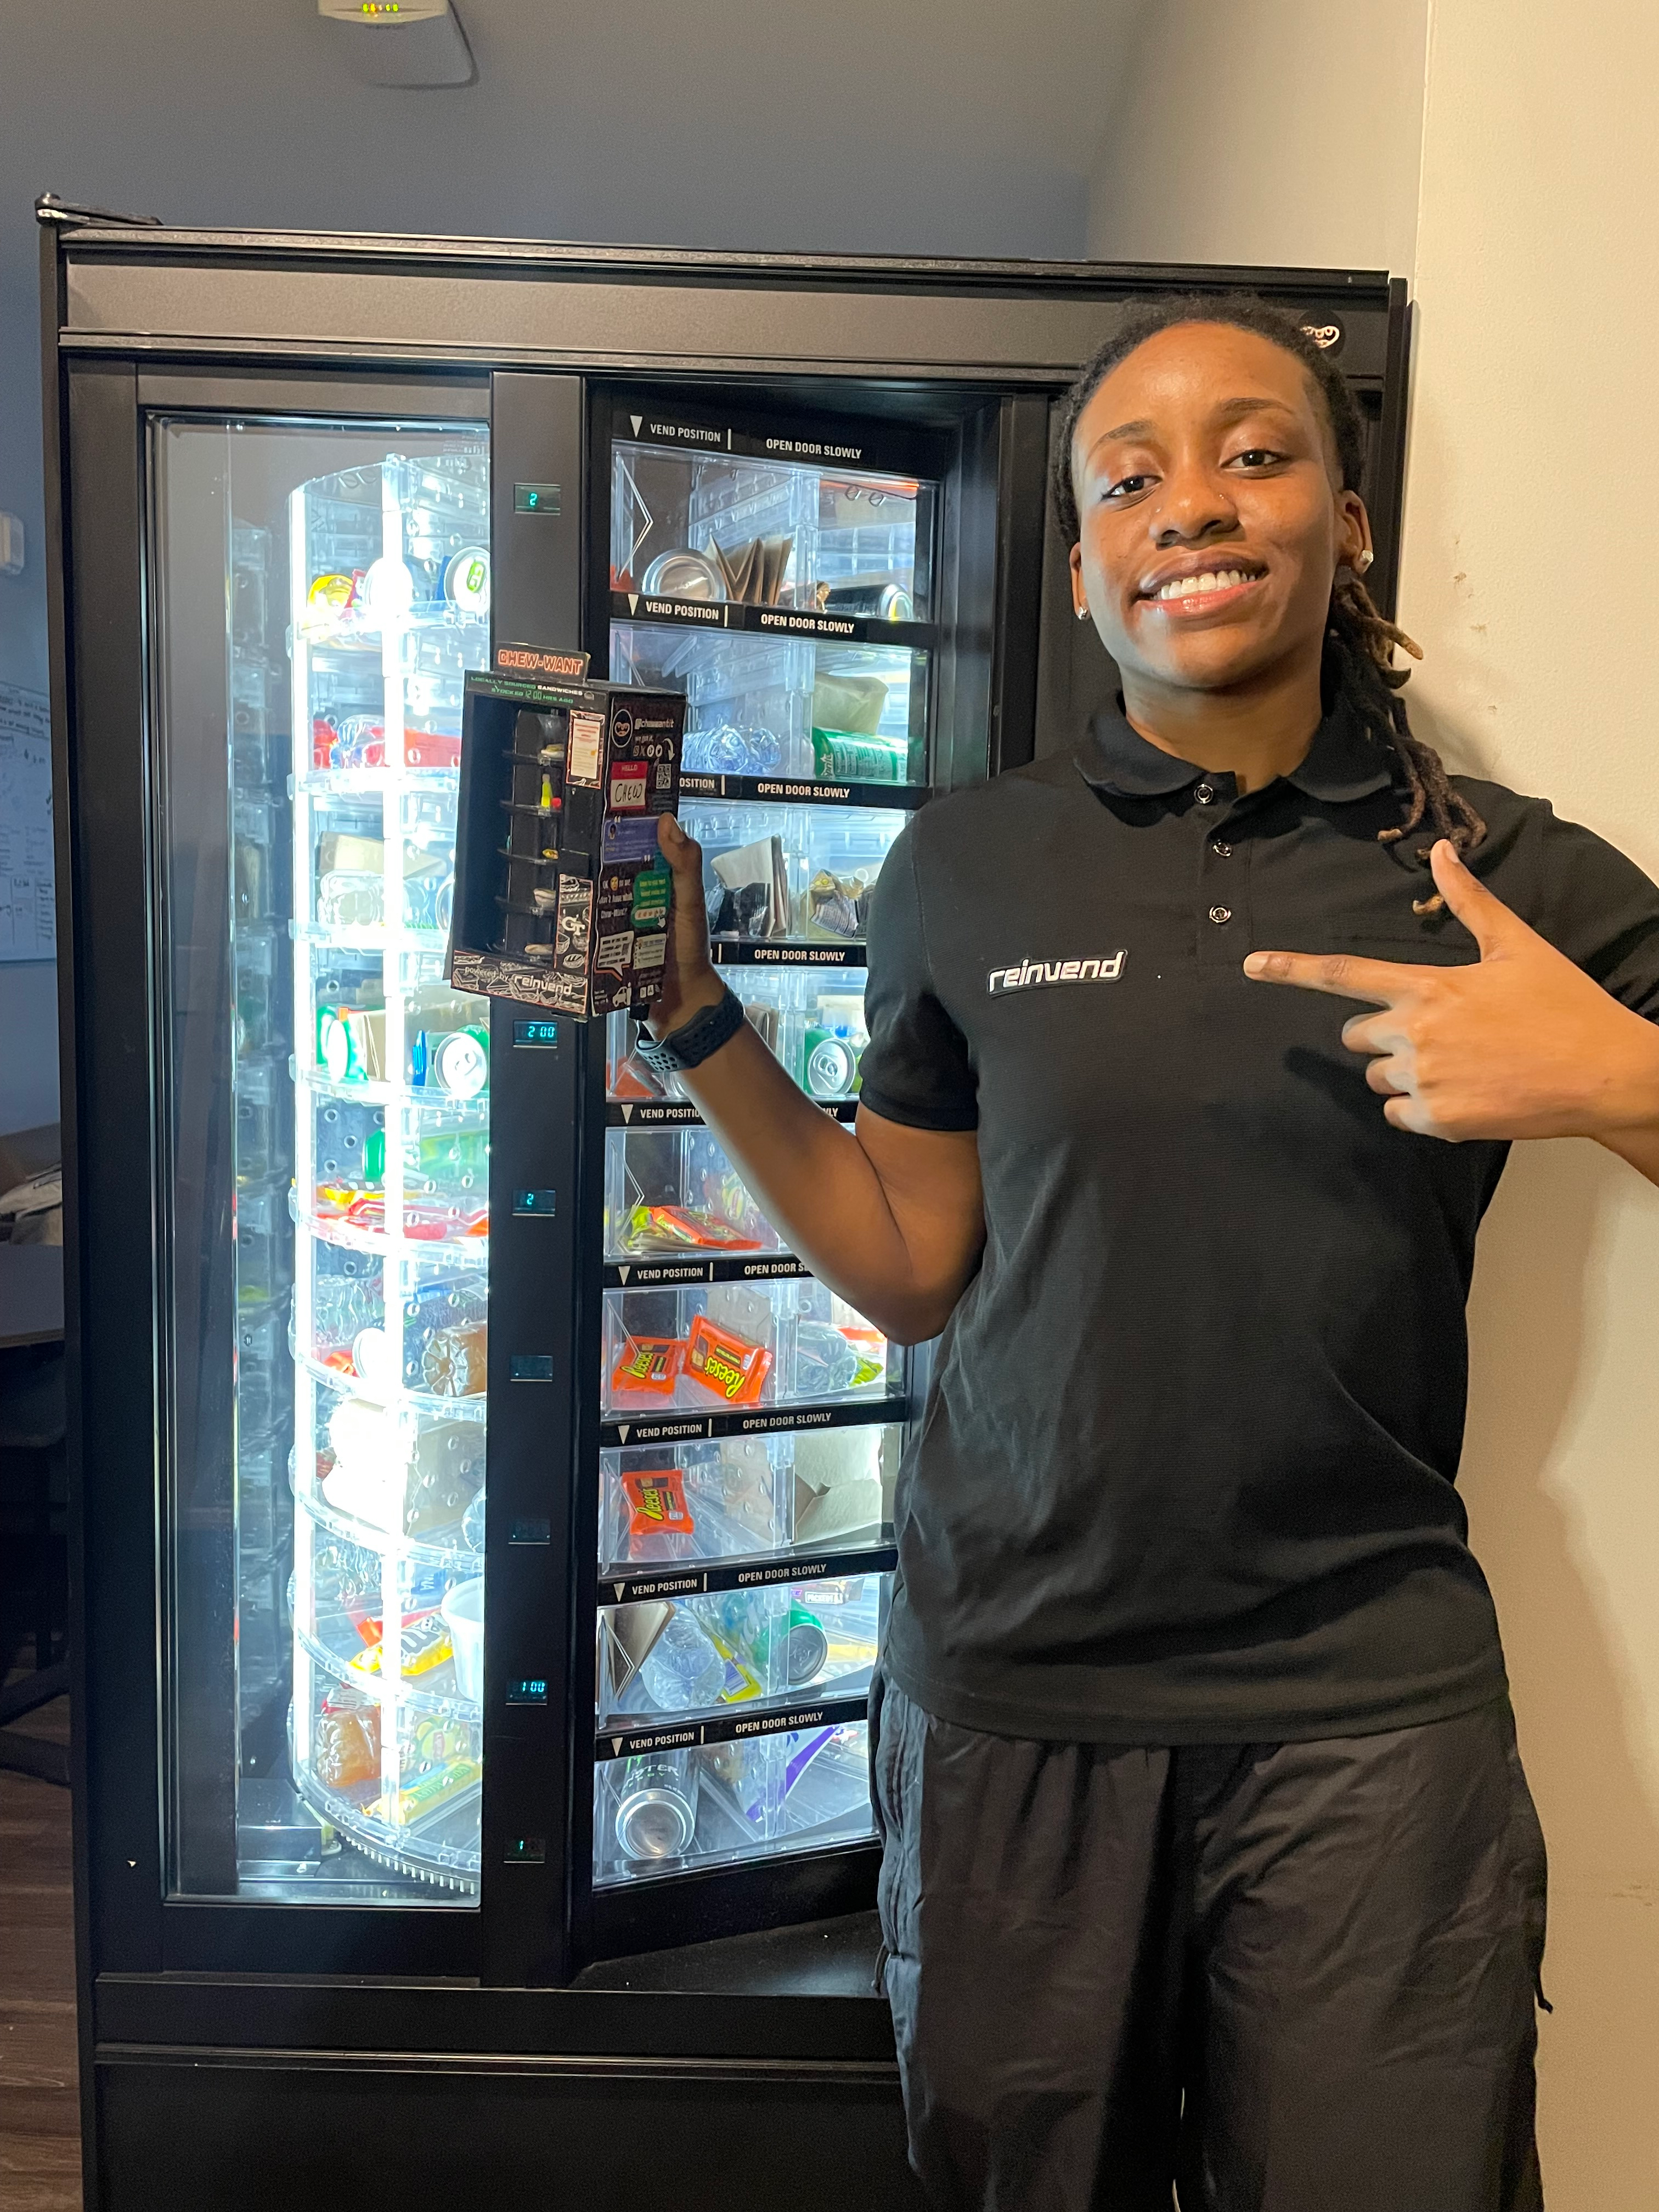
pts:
[428, 1403]
[380, 678]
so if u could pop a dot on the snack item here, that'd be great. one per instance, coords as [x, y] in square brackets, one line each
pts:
[402, 1808]
[727, 1365]
[431, 749]
[683, 1228]
[846, 755]
[657, 1498]
[329, 597]
[753, 898]
[346, 1745]
[847, 705]
[585, 802]
[453, 1365]
[830, 1360]
[426, 1644]
[838, 906]
[648, 1365]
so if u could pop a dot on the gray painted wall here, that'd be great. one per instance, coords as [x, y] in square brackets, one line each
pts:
[966, 129]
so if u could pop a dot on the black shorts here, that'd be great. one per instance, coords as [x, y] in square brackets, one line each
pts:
[1278, 1978]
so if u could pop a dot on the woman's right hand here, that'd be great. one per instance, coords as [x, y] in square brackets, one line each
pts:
[689, 980]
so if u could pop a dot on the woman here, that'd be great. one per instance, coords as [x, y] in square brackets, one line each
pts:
[1209, 1855]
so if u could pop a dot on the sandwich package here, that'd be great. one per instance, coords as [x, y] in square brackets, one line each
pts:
[561, 895]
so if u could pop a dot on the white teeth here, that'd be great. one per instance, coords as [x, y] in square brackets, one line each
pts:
[1219, 580]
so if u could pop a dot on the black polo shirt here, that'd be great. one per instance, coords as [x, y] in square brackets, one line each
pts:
[1186, 1470]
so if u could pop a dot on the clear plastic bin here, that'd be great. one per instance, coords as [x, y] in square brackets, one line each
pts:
[432, 1344]
[401, 1779]
[356, 1583]
[264, 1371]
[753, 703]
[263, 1238]
[265, 1106]
[776, 532]
[444, 1155]
[792, 874]
[263, 993]
[739, 1648]
[393, 1473]
[812, 1018]
[727, 1802]
[719, 1347]
[746, 1497]
[672, 1193]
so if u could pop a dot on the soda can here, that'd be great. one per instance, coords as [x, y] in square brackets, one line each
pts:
[460, 1062]
[351, 1043]
[831, 1064]
[799, 1641]
[656, 1811]
[466, 581]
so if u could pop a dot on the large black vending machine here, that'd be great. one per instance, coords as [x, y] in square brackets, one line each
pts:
[483, 1524]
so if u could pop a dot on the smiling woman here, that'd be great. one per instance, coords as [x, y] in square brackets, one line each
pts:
[1208, 1856]
[1264, 508]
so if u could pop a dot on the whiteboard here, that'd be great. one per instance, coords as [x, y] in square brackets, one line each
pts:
[26, 883]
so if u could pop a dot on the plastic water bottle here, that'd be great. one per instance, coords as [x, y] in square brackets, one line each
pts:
[683, 1670]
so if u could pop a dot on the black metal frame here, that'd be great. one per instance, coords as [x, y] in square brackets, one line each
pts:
[133, 318]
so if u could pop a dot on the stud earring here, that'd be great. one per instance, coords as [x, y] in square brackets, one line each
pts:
[1363, 561]
[1082, 613]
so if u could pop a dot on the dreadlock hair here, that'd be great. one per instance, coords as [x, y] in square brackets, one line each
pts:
[1359, 641]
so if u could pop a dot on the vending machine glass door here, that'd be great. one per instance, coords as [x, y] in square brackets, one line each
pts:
[319, 591]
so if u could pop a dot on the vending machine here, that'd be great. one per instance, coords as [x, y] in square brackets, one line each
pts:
[484, 1522]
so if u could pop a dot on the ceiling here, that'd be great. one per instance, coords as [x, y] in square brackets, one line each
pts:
[960, 129]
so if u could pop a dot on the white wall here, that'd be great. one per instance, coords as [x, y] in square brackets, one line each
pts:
[1533, 480]
[1501, 155]
[1264, 131]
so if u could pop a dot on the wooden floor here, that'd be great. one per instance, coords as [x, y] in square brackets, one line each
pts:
[39, 2113]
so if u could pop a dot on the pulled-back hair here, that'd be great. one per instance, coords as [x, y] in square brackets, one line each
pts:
[1359, 641]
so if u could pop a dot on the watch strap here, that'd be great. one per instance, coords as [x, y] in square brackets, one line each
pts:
[708, 1028]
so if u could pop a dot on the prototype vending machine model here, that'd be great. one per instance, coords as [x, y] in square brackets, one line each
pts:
[483, 1523]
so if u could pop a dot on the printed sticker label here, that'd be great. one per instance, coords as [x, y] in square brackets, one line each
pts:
[586, 744]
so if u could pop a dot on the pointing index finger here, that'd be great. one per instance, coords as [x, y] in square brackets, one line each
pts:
[1341, 975]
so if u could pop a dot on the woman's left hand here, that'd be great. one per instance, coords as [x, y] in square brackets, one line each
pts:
[1520, 1044]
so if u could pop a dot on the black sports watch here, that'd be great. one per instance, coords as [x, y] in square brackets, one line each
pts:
[708, 1028]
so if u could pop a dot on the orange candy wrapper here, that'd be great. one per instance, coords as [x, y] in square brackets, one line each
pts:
[657, 1495]
[726, 1364]
[425, 1644]
[649, 1366]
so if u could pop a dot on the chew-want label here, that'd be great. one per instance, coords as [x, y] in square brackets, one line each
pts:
[1036, 975]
